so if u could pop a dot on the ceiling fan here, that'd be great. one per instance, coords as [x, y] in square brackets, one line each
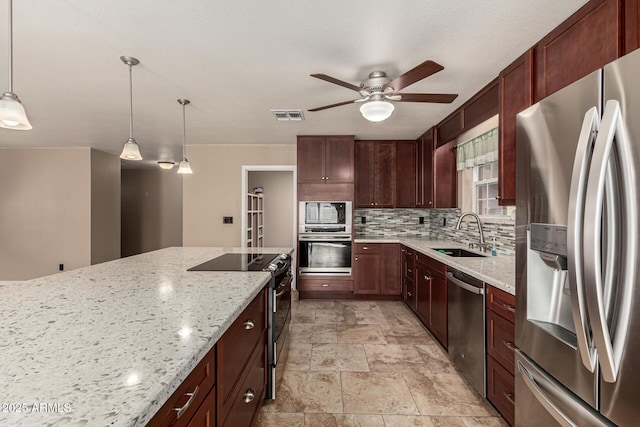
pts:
[378, 90]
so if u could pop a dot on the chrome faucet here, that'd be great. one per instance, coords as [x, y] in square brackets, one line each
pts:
[482, 244]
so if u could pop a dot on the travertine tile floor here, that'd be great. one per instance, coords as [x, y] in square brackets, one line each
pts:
[369, 364]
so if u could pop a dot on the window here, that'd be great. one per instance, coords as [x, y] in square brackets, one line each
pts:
[485, 190]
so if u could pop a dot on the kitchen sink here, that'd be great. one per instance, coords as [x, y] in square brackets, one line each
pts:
[458, 252]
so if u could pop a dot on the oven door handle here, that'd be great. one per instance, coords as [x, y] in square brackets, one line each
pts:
[340, 238]
[285, 287]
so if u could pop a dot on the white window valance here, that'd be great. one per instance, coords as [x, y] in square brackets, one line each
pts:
[478, 151]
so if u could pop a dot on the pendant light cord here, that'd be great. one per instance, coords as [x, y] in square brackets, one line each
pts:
[130, 104]
[184, 133]
[10, 46]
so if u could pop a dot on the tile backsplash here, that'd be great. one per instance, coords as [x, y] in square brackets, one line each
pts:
[438, 224]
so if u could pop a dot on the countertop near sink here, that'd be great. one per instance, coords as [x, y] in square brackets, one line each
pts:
[498, 271]
[108, 344]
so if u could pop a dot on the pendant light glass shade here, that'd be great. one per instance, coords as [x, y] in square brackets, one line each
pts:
[184, 167]
[376, 111]
[130, 151]
[12, 114]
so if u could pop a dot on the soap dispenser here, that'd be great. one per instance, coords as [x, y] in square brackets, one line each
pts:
[494, 252]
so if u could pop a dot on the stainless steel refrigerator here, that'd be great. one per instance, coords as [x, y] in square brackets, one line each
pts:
[578, 305]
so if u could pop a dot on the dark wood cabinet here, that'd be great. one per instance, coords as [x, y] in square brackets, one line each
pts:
[445, 176]
[325, 159]
[375, 174]
[586, 41]
[500, 314]
[376, 269]
[631, 25]
[432, 296]
[406, 176]
[408, 273]
[450, 127]
[424, 169]
[515, 88]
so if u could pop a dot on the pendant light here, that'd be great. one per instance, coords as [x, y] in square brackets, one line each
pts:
[130, 151]
[12, 114]
[184, 166]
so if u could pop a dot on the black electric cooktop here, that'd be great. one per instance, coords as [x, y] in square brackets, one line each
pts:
[237, 262]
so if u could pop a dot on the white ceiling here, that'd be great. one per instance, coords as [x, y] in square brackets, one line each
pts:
[237, 60]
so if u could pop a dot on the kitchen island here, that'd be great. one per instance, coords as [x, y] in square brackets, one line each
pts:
[108, 344]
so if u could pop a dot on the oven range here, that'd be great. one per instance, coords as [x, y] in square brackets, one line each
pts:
[279, 302]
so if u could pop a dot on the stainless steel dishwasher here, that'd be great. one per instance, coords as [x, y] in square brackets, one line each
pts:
[466, 327]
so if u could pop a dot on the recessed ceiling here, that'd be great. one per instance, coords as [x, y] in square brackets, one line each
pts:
[238, 60]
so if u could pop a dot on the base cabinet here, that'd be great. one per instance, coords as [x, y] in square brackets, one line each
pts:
[228, 386]
[501, 352]
[376, 269]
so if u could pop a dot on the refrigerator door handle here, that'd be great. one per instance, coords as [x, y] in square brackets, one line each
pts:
[609, 350]
[590, 126]
[532, 384]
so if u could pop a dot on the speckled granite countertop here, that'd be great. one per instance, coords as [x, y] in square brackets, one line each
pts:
[498, 271]
[108, 344]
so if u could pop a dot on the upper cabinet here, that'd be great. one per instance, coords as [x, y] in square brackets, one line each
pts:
[515, 93]
[424, 169]
[445, 176]
[588, 40]
[325, 159]
[406, 178]
[375, 184]
[631, 25]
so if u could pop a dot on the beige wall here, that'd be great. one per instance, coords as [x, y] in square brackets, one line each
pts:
[278, 205]
[105, 207]
[214, 189]
[151, 210]
[45, 211]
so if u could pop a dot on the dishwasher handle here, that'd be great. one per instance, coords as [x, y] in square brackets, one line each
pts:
[463, 285]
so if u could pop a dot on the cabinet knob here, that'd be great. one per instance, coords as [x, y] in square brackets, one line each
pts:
[356, 258]
[249, 324]
[409, 270]
[365, 248]
[427, 277]
[249, 395]
[371, 203]
[325, 285]
[409, 294]
[326, 177]
[498, 197]
[430, 203]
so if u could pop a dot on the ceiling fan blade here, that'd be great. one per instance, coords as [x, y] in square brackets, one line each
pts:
[441, 98]
[334, 105]
[418, 73]
[336, 81]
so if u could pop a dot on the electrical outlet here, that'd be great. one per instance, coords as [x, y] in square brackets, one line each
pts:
[444, 222]
[227, 220]
[364, 219]
[61, 267]
[421, 220]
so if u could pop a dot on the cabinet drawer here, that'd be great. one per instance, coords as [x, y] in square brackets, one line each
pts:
[502, 303]
[206, 414]
[237, 345]
[411, 295]
[188, 395]
[500, 340]
[500, 389]
[366, 248]
[327, 285]
[436, 267]
[250, 395]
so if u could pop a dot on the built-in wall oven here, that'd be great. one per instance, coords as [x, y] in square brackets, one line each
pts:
[325, 254]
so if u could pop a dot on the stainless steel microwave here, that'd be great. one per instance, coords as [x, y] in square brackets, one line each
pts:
[325, 217]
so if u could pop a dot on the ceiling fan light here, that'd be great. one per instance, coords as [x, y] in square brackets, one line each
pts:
[131, 151]
[12, 114]
[184, 167]
[165, 164]
[376, 111]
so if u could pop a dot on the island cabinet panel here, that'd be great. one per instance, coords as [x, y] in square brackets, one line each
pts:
[375, 172]
[406, 177]
[631, 25]
[500, 315]
[245, 338]
[376, 269]
[190, 395]
[325, 159]
[445, 176]
[425, 145]
[586, 41]
[515, 90]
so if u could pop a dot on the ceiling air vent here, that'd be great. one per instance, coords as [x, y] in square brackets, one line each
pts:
[288, 115]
